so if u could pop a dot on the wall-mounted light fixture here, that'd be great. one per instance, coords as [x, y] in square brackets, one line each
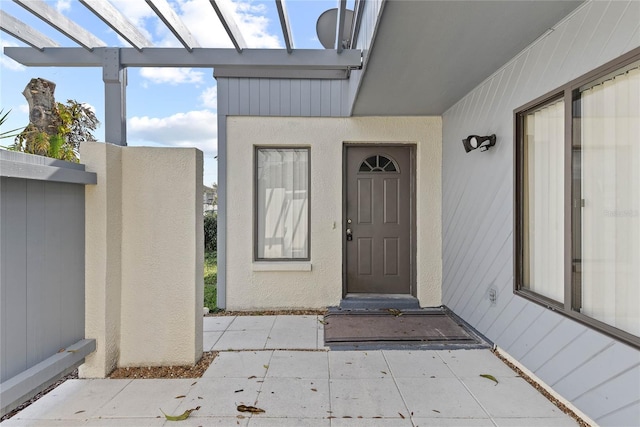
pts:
[473, 142]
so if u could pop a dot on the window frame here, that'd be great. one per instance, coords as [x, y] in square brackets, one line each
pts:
[256, 149]
[571, 290]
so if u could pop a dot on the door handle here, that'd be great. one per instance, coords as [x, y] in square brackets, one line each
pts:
[349, 234]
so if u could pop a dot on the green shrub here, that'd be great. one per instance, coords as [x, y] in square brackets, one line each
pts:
[210, 232]
[210, 280]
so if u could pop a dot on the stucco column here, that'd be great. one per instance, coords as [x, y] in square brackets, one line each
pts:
[144, 255]
[162, 256]
[103, 278]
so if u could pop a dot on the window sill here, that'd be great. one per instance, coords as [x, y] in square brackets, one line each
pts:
[281, 266]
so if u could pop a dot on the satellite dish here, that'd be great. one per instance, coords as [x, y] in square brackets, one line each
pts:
[326, 27]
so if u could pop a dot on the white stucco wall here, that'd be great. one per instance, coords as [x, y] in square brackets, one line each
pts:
[103, 279]
[248, 285]
[144, 257]
[163, 255]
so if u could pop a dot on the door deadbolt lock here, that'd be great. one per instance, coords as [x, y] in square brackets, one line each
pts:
[349, 234]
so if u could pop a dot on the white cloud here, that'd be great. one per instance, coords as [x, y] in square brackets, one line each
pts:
[63, 5]
[135, 11]
[191, 129]
[172, 76]
[209, 97]
[138, 12]
[5, 61]
[201, 19]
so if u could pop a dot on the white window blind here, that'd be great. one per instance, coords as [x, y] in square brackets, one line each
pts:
[282, 203]
[610, 177]
[543, 232]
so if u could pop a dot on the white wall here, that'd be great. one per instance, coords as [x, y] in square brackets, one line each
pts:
[144, 257]
[598, 374]
[248, 288]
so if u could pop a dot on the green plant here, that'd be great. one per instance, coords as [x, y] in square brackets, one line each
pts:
[7, 133]
[75, 123]
[210, 279]
[210, 232]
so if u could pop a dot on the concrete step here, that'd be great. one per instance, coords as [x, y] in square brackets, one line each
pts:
[378, 301]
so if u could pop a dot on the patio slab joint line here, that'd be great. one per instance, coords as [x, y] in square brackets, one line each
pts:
[393, 377]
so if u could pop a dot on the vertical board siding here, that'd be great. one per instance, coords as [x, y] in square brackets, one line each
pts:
[42, 278]
[282, 97]
[595, 372]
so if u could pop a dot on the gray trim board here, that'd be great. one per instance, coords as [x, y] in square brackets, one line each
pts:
[12, 169]
[33, 159]
[35, 379]
[311, 59]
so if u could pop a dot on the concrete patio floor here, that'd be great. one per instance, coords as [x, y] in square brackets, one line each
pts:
[279, 364]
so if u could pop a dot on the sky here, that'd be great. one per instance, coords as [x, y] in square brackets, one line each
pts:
[166, 107]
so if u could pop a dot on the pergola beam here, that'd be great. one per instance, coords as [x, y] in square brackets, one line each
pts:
[284, 23]
[174, 23]
[357, 22]
[118, 22]
[303, 59]
[280, 73]
[61, 23]
[226, 18]
[24, 32]
[342, 10]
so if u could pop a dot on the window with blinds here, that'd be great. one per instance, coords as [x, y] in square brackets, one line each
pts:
[543, 230]
[577, 213]
[282, 203]
[608, 182]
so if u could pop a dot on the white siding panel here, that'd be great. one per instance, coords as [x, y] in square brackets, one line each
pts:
[597, 373]
[612, 394]
[598, 370]
[620, 416]
[574, 356]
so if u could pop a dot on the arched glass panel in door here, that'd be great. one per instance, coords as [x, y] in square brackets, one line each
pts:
[378, 163]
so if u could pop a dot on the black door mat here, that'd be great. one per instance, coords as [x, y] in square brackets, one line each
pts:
[398, 329]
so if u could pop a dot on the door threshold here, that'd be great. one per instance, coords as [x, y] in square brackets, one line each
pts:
[379, 301]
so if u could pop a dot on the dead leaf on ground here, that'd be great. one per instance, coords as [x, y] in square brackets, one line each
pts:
[265, 366]
[252, 409]
[238, 391]
[490, 377]
[79, 412]
[180, 397]
[435, 410]
[394, 311]
[401, 416]
[313, 389]
[322, 321]
[180, 417]
[252, 377]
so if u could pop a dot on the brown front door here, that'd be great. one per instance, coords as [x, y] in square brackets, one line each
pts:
[377, 228]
